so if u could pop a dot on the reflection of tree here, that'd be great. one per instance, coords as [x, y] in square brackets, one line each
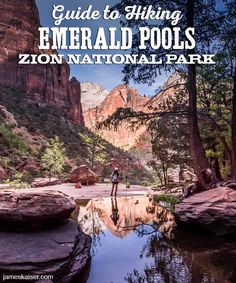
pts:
[167, 265]
[91, 224]
[185, 260]
[162, 221]
[169, 262]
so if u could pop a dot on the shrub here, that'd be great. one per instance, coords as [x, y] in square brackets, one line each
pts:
[17, 182]
[12, 140]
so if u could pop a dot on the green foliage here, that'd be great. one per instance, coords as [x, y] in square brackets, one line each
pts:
[5, 161]
[215, 108]
[30, 114]
[53, 157]
[145, 183]
[17, 181]
[169, 139]
[169, 200]
[96, 149]
[13, 141]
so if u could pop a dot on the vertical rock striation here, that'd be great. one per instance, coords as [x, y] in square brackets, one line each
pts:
[47, 84]
[122, 96]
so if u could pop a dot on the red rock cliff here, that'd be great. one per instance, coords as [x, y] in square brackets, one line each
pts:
[120, 97]
[49, 84]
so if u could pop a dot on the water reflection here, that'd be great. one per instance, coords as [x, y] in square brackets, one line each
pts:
[133, 242]
[114, 211]
[124, 215]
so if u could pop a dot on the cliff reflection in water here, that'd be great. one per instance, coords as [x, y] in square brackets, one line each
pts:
[124, 215]
[133, 242]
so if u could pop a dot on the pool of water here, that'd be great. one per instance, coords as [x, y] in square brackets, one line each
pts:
[137, 241]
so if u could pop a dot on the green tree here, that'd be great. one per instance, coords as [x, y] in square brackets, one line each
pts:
[228, 48]
[169, 145]
[53, 157]
[96, 147]
[215, 108]
[202, 16]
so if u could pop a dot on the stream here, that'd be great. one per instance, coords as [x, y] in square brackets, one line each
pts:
[137, 241]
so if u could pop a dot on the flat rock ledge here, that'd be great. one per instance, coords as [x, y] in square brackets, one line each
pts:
[57, 247]
[61, 252]
[34, 209]
[213, 210]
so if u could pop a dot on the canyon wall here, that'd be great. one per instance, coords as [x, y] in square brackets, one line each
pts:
[120, 97]
[48, 84]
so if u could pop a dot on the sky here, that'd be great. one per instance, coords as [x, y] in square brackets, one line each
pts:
[107, 75]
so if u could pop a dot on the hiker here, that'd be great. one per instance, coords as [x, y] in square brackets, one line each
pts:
[115, 181]
[115, 213]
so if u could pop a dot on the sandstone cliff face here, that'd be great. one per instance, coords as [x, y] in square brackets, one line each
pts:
[120, 97]
[92, 95]
[48, 84]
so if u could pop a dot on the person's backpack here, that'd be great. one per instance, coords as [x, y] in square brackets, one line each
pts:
[114, 177]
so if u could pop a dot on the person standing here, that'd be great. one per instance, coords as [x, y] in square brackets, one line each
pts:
[115, 181]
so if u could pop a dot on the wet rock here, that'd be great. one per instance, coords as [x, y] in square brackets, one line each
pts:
[84, 175]
[61, 252]
[43, 182]
[35, 209]
[214, 210]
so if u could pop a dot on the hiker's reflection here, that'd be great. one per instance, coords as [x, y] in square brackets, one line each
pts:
[115, 212]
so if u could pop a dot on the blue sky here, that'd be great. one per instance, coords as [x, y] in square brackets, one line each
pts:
[107, 75]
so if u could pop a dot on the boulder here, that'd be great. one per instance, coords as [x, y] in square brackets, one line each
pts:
[20, 208]
[84, 175]
[3, 174]
[78, 185]
[43, 182]
[214, 210]
[61, 252]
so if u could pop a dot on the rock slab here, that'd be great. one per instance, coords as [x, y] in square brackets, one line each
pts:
[36, 209]
[214, 210]
[62, 252]
[43, 182]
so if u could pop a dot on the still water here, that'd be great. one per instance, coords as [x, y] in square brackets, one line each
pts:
[136, 241]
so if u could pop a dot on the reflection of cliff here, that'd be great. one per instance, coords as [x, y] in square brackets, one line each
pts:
[122, 96]
[48, 84]
[132, 211]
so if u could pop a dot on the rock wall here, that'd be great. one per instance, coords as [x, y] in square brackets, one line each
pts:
[48, 84]
[120, 97]
[92, 95]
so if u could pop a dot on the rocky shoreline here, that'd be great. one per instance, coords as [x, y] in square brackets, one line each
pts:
[212, 210]
[41, 238]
